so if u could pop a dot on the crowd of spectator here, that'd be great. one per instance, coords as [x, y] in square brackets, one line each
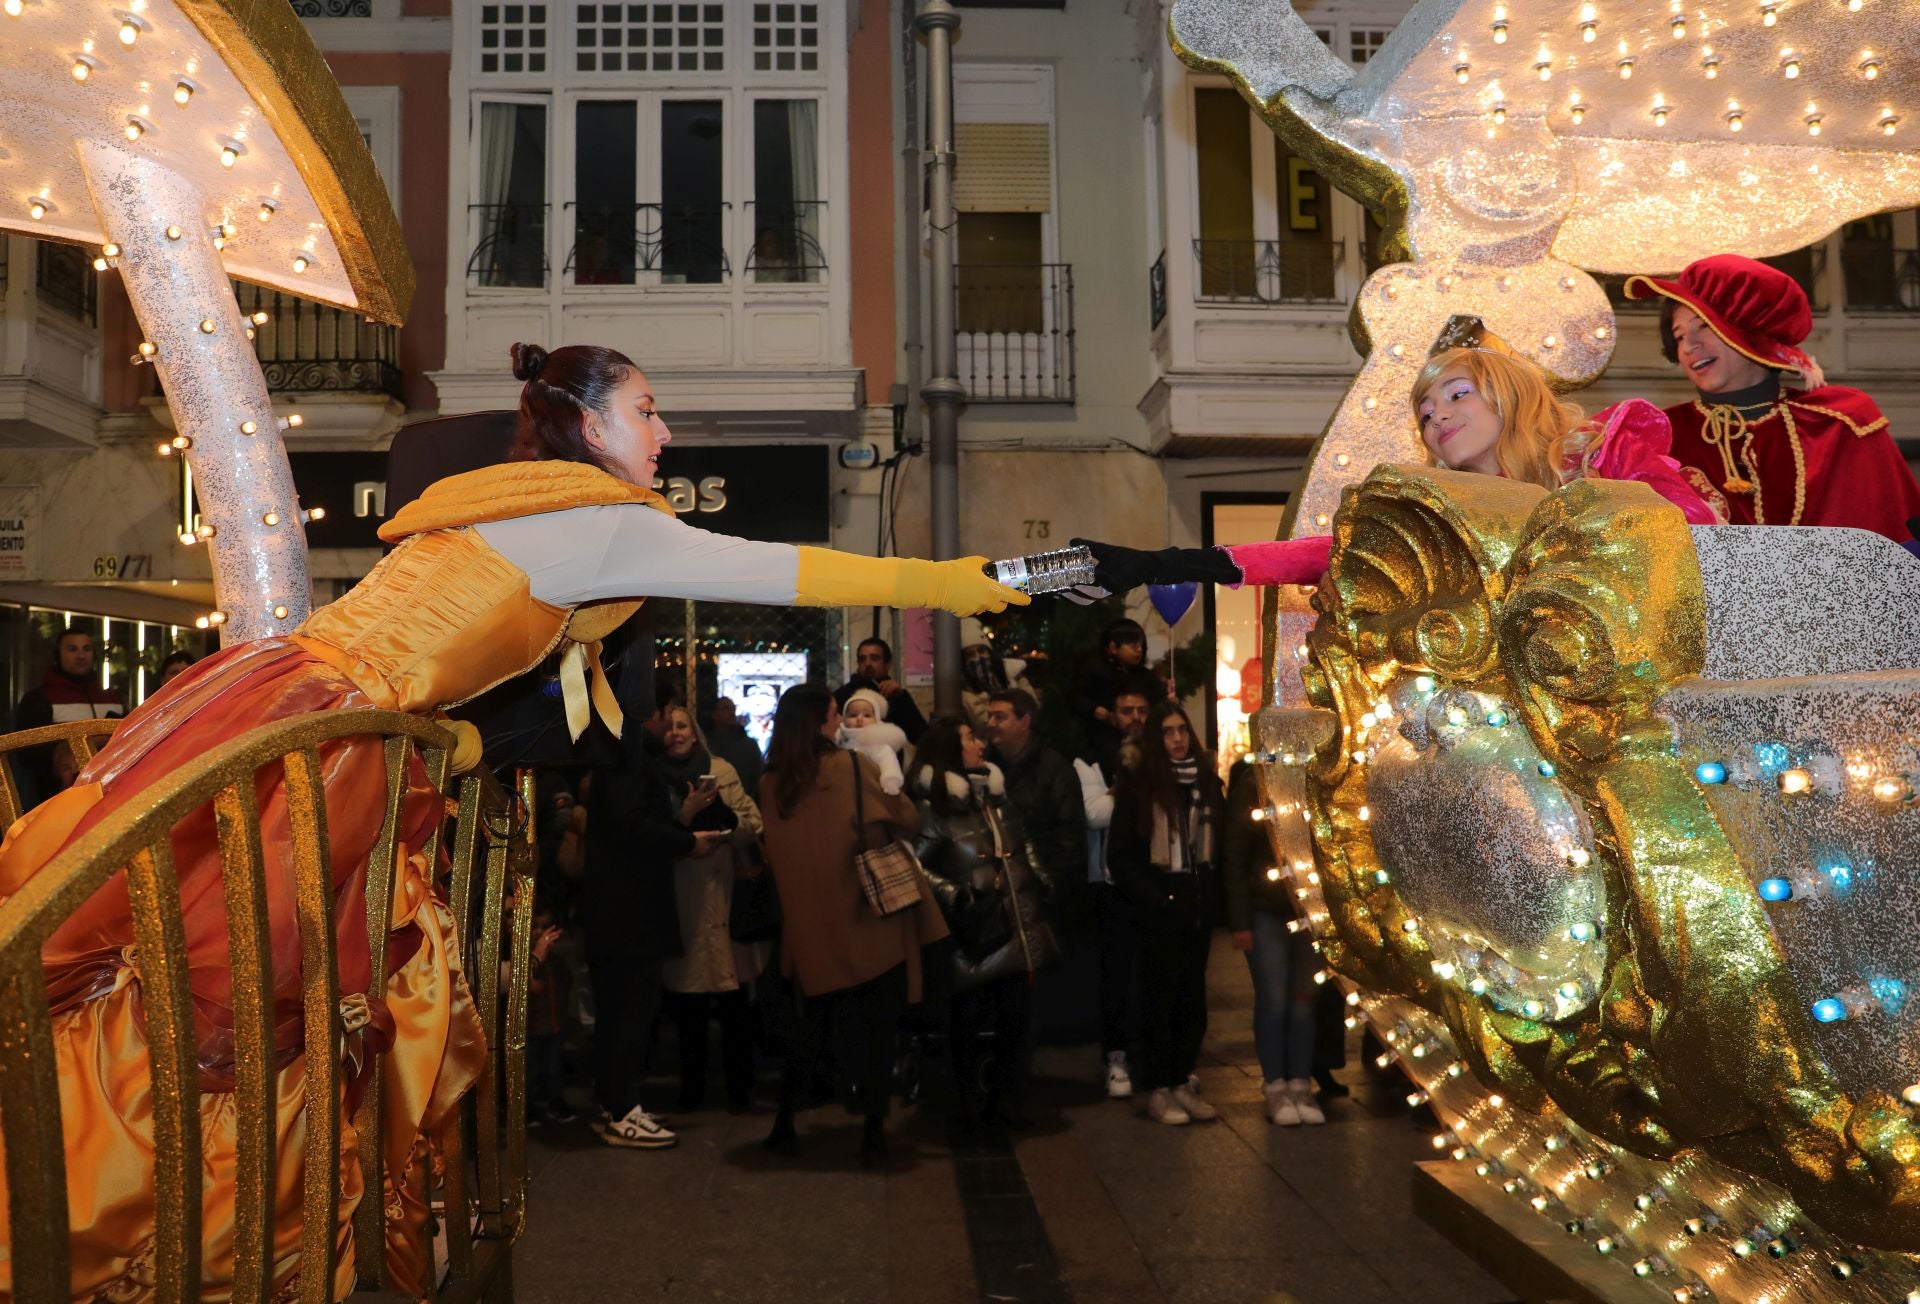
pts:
[1099, 879]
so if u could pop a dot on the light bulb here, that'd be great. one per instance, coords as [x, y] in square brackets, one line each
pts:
[1601, 332]
[207, 326]
[271, 518]
[110, 250]
[1711, 66]
[316, 513]
[173, 233]
[1500, 33]
[249, 427]
[1626, 70]
[99, 264]
[13, 8]
[279, 611]
[1734, 121]
[1660, 115]
[1578, 113]
[135, 129]
[216, 617]
[1589, 32]
[1813, 124]
[1870, 69]
[300, 263]
[1549, 342]
[1790, 69]
[1678, 27]
[1461, 72]
[295, 419]
[267, 207]
[228, 156]
[229, 230]
[148, 348]
[183, 442]
[82, 68]
[1768, 15]
[1545, 70]
[183, 92]
[129, 31]
[38, 209]
[1796, 780]
[1887, 124]
[259, 319]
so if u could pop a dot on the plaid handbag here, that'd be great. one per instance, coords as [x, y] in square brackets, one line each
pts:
[890, 875]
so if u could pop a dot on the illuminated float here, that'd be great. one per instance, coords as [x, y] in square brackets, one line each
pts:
[1606, 821]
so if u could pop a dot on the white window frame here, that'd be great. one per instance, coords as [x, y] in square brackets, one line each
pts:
[1035, 103]
[464, 278]
[823, 161]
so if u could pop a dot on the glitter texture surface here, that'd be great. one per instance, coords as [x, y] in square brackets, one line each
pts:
[1795, 600]
[213, 384]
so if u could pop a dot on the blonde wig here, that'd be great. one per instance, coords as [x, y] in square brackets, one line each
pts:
[1535, 423]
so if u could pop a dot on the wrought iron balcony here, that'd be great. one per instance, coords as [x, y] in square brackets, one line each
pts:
[1015, 336]
[1880, 278]
[1267, 271]
[64, 280]
[785, 249]
[333, 8]
[665, 244]
[306, 348]
[1157, 291]
[509, 246]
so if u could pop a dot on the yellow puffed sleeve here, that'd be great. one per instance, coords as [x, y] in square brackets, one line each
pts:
[843, 579]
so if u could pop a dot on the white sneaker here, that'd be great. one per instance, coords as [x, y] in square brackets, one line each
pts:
[1119, 1082]
[1162, 1109]
[638, 1130]
[1281, 1109]
[1188, 1098]
[1305, 1102]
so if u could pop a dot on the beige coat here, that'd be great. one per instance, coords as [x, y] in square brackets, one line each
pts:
[830, 939]
[710, 960]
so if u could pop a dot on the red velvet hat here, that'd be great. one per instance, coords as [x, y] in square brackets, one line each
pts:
[1759, 310]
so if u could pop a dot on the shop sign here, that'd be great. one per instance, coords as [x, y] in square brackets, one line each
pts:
[19, 531]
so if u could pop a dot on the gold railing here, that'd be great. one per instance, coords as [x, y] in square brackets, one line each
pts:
[483, 1182]
[81, 736]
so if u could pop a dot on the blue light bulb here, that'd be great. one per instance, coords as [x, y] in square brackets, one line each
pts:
[1775, 889]
[1546, 770]
[1828, 1009]
[1496, 718]
[1710, 772]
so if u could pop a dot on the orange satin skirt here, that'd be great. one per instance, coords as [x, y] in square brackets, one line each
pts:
[423, 1013]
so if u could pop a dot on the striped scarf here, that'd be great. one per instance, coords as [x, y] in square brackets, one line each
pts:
[1182, 851]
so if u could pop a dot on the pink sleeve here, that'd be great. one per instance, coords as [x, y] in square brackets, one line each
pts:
[1283, 561]
[1629, 441]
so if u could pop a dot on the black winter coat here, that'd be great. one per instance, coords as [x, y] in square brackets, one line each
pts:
[1160, 899]
[1247, 859]
[632, 845]
[1043, 787]
[989, 881]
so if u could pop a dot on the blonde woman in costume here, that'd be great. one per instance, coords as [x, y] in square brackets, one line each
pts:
[492, 570]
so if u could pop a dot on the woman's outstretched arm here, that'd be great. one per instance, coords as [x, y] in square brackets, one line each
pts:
[1281, 561]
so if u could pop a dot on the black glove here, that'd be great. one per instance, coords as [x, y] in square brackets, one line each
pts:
[1118, 569]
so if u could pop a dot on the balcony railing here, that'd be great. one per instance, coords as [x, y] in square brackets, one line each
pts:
[65, 281]
[666, 244]
[305, 348]
[333, 8]
[1880, 278]
[1015, 336]
[1157, 290]
[785, 249]
[1266, 271]
[509, 246]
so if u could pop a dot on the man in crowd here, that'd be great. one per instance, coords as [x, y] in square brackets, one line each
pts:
[873, 668]
[1042, 786]
[729, 740]
[1760, 452]
[70, 690]
[633, 839]
[1112, 750]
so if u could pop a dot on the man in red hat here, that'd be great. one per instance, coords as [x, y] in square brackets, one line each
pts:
[1762, 453]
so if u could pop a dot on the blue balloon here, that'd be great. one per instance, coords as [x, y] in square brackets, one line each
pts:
[1173, 601]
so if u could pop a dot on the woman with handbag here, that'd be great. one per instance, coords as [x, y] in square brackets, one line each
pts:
[1163, 852]
[713, 974]
[853, 916]
[990, 887]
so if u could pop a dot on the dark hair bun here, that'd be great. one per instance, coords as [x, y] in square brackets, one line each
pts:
[528, 359]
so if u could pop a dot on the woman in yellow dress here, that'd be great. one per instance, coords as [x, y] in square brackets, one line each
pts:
[491, 571]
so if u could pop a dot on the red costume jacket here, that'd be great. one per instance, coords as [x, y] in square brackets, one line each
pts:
[1822, 457]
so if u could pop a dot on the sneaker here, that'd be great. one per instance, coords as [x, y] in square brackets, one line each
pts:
[639, 1130]
[1305, 1103]
[1162, 1109]
[1188, 1098]
[1282, 1109]
[1119, 1082]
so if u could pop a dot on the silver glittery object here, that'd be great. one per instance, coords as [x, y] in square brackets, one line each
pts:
[1787, 600]
[213, 383]
[1842, 847]
[1491, 855]
[1045, 572]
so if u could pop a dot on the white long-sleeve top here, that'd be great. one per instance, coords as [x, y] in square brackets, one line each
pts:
[630, 550]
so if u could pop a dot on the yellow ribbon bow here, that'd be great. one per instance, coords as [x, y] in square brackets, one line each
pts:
[584, 689]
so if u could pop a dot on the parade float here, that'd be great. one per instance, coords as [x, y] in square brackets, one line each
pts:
[1605, 822]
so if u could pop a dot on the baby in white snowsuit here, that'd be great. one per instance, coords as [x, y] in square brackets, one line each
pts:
[864, 729]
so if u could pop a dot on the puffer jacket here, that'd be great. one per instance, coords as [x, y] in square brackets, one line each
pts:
[987, 879]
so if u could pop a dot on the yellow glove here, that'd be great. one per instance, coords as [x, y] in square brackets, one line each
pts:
[845, 579]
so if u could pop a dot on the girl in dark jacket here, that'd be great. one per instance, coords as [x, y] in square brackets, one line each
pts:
[1163, 852]
[991, 887]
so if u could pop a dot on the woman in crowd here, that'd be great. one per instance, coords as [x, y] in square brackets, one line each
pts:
[990, 887]
[856, 971]
[1260, 914]
[493, 570]
[1476, 410]
[712, 976]
[1163, 851]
